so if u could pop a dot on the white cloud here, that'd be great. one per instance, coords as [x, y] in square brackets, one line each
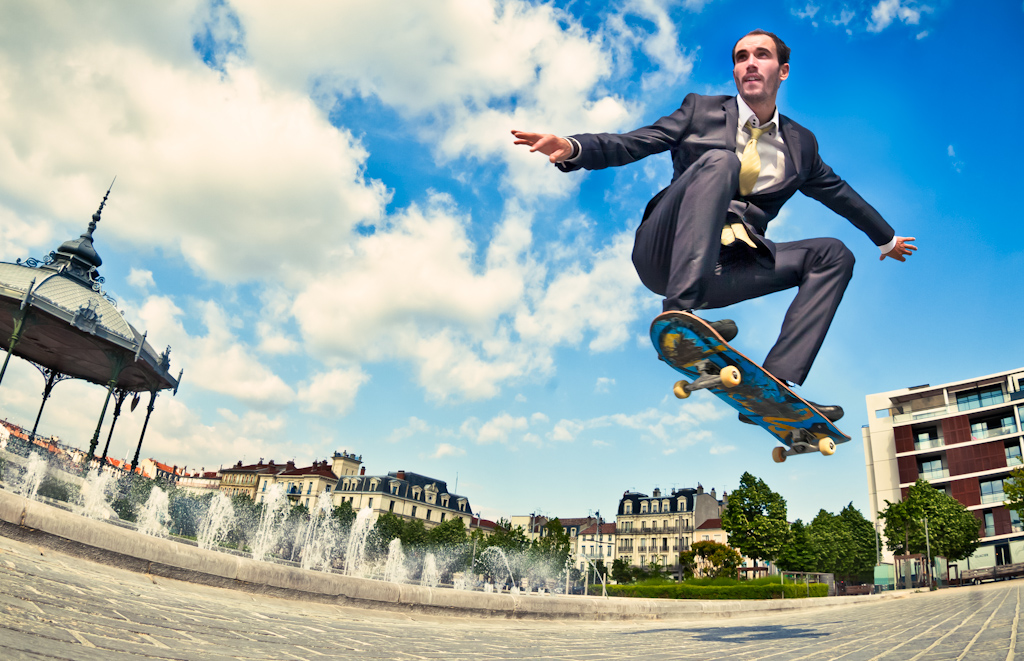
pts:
[218, 361]
[414, 427]
[333, 391]
[661, 46]
[886, 11]
[497, 430]
[808, 11]
[447, 450]
[722, 449]
[604, 384]
[566, 430]
[141, 279]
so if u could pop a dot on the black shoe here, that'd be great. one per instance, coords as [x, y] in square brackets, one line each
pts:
[725, 327]
[832, 412]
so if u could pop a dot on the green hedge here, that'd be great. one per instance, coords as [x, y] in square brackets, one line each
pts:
[708, 592]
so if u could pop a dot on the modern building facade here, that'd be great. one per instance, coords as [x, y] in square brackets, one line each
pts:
[962, 437]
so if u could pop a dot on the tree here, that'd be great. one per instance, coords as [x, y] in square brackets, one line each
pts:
[952, 529]
[863, 553]
[1013, 490]
[449, 534]
[555, 545]
[712, 560]
[387, 527]
[508, 538]
[755, 519]
[798, 553]
[621, 571]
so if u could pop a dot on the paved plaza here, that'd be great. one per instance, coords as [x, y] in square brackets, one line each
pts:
[54, 606]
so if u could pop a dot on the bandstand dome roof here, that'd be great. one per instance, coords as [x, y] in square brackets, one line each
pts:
[71, 325]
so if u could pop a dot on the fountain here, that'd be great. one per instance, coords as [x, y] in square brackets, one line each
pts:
[275, 508]
[217, 522]
[35, 471]
[95, 493]
[394, 568]
[356, 546]
[430, 577]
[321, 535]
[155, 514]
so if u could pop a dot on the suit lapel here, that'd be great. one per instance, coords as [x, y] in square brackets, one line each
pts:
[792, 139]
[732, 113]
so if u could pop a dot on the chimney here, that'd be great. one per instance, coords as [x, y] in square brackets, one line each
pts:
[400, 475]
[700, 488]
[713, 493]
[362, 471]
[657, 493]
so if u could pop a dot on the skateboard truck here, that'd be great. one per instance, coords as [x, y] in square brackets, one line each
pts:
[710, 377]
[801, 442]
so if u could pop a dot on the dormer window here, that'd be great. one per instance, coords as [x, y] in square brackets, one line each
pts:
[654, 507]
[628, 509]
[643, 507]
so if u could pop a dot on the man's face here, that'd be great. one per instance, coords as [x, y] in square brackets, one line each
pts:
[756, 69]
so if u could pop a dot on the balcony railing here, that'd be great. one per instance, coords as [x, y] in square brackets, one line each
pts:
[989, 433]
[928, 443]
[935, 474]
[997, 497]
[900, 418]
[989, 532]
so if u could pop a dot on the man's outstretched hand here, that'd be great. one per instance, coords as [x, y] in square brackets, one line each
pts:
[555, 148]
[902, 249]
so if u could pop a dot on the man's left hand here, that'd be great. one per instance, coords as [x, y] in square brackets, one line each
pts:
[902, 249]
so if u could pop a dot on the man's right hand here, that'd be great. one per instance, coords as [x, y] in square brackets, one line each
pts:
[555, 148]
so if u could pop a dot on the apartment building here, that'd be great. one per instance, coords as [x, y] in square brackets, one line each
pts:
[407, 495]
[658, 527]
[963, 437]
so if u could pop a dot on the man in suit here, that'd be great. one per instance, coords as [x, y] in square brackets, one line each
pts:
[736, 161]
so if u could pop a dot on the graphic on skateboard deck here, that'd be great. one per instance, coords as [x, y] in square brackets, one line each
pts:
[692, 347]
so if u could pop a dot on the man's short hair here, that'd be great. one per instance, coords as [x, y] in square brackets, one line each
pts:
[780, 46]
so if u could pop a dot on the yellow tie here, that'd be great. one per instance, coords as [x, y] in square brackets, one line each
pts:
[750, 162]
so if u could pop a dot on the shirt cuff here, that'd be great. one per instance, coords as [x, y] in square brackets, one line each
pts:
[887, 248]
[576, 149]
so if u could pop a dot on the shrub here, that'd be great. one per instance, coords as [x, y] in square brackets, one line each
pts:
[691, 590]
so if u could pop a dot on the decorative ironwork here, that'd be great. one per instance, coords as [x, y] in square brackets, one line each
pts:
[165, 359]
[34, 263]
[96, 282]
[86, 318]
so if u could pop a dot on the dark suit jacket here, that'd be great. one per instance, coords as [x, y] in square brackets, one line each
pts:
[709, 122]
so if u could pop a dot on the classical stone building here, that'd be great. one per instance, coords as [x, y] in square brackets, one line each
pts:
[656, 528]
[303, 485]
[409, 496]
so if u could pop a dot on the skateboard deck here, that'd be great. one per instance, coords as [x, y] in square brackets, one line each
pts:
[692, 347]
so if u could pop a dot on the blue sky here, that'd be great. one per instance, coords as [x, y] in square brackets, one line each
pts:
[321, 210]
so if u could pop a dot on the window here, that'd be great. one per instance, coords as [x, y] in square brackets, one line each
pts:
[976, 399]
[391, 507]
[1013, 456]
[992, 491]
[309, 489]
[442, 517]
[414, 510]
[628, 509]
[327, 488]
[370, 505]
[643, 507]
[990, 524]
[428, 515]
[993, 427]
[932, 469]
[654, 507]
[926, 438]
[1015, 522]
[264, 486]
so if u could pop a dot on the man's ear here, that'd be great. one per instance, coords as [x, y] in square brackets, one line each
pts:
[784, 71]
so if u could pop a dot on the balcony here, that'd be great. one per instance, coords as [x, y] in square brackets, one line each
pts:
[991, 433]
[998, 497]
[915, 416]
[935, 474]
[927, 444]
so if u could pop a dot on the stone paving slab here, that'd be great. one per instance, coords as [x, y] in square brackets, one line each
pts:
[54, 606]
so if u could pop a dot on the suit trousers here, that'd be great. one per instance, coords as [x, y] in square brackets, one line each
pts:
[678, 254]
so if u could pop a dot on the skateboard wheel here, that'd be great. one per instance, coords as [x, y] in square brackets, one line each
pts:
[778, 454]
[827, 446]
[680, 391]
[730, 376]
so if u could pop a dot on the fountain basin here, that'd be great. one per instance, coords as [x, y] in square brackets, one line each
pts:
[40, 524]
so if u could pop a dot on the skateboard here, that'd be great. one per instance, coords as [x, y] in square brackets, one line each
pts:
[691, 346]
